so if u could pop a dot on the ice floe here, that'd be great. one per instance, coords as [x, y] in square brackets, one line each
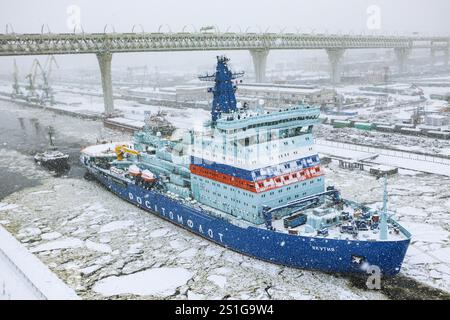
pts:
[66, 243]
[158, 281]
[116, 225]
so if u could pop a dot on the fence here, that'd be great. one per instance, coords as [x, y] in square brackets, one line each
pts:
[387, 151]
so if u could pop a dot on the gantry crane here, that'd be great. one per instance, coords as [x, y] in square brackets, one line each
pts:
[46, 73]
[16, 88]
[35, 67]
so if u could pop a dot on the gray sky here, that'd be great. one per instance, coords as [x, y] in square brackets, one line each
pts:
[396, 16]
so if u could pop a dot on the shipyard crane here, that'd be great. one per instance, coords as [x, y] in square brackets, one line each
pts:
[156, 78]
[35, 68]
[46, 73]
[16, 88]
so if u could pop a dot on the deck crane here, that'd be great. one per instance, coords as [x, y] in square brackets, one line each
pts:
[35, 67]
[46, 73]
[122, 149]
[16, 88]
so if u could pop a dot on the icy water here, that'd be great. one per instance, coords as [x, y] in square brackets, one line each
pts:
[28, 135]
[105, 248]
[16, 182]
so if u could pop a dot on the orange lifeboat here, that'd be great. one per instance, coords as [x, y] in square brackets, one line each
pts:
[134, 170]
[148, 176]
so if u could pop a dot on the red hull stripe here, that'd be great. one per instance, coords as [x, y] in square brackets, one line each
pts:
[261, 185]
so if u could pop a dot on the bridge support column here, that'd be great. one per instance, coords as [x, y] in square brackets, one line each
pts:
[335, 57]
[402, 55]
[433, 56]
[259, 57]
[446, 56]
[104, 60]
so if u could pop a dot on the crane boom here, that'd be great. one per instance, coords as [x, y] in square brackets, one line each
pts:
[48, 67]
[32, 75]
[122, 149]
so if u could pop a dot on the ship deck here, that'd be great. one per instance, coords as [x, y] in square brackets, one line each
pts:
[395, 231]
[102, 150]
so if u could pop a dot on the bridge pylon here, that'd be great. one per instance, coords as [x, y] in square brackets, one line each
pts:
[335, 56]
[104, 60]
[433, 56]
[446, 56]
[402, 55]
[259, 57]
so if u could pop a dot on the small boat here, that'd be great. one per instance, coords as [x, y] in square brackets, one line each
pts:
[52, 158]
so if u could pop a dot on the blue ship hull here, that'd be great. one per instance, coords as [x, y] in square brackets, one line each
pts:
[329, 255]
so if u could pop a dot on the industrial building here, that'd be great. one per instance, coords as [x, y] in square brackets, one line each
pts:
[177, 93]
[274, 94]
[437, 120]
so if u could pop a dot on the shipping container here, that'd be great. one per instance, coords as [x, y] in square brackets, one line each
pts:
[295, 220]
[363, 125]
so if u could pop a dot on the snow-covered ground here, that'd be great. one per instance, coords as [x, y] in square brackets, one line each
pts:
[402, 160]
[384, 139]
[401, 106]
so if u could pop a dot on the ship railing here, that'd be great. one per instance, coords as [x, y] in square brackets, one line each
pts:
[271, 117]
[302, 201]
[400, 227]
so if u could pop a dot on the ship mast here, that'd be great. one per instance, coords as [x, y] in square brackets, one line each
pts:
[224, 99]
[383, 217]
[50, 136]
